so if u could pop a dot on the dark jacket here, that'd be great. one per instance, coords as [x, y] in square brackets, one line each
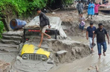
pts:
[44, 20]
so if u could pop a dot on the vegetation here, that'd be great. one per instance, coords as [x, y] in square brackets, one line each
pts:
[23, 6]
[1, 28]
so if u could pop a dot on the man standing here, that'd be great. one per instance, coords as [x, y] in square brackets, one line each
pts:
[44, 24]
[89, 34]
[80, 7]
[91, 9]
[100, 33]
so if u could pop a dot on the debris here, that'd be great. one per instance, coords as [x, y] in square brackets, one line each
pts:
[53, 10]
[97, 68]
[90, 68]
[53, 13]
[55, 23]
[4, 67]
[61, 52]
[49, 61]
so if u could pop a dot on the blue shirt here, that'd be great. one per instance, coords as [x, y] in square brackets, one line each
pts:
[90, 30]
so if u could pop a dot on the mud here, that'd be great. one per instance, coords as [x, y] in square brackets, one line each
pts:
[69, 55]
[21, 65]
[90, 63]
[87, 64]
[74, 50]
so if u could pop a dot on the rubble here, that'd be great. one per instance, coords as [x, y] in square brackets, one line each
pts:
[69, 50]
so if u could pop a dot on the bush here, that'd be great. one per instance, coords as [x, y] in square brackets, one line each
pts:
[22, 6]
[1, 28]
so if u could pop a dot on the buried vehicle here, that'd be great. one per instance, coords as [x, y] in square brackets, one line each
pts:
[32, 52]
[29, 50]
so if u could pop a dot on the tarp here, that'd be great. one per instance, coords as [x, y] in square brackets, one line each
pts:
[55, 23]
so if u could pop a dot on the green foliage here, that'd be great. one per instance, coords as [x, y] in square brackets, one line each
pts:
[22, 6]
[1, 28]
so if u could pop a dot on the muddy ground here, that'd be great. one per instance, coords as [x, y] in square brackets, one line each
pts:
[91, 63]
[69, 55]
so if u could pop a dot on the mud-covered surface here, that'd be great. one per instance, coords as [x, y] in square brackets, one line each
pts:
[90, 63]
[68, 55]
[67, 51]
[21, 65]
[75, 50]
[66, 15]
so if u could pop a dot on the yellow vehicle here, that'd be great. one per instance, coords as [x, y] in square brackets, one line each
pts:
[29, 51]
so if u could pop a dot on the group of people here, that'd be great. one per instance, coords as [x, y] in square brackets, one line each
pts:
[98, 34]
[93, 34]
[92, 9]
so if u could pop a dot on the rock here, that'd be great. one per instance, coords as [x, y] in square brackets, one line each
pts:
[19, 58]
[49, 61]
[61, 52]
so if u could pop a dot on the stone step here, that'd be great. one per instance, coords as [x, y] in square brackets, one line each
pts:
[13, 33]
[8, 49]
[17, 42]
[8, 45]
[12, 37]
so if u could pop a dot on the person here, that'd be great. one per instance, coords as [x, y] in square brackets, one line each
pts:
[96, 8]
[91, 9]
[89, 34]
[80, 7]
[100, 33]
[82, 22]
[44, 24]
